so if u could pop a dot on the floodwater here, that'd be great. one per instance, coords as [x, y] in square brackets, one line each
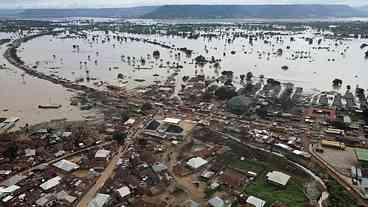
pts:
[20, 95]
[309, 67]
[238, 21]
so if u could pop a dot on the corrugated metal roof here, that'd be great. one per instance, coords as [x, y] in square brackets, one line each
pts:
[196, 162]
[51, 183]
[362, 154]
[216, 202]
[278, 177]
[124, 191]
[66, 165]
[100, 200]
[102, 153]
[256, 201]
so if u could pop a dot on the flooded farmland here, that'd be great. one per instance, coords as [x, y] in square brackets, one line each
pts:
[21, 94]
[102, 57]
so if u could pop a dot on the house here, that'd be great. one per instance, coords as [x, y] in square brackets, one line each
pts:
[129, 122]
[255, 202]
[64, 196]
[101, 200]
[102, 155]
[13, 180]
[8, 190]
[47, 200]
[30, 152]
[159, 167]
[196, 162]
[124, 191]
[362, 156]
[172, 120]
[278, 178]
[53, 182]
[66, 165]
[216, 202]
[206, 175]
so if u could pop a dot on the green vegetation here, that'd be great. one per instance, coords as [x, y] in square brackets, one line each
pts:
[248, 165]
[339, 197]
[292, 195]
[119, 136]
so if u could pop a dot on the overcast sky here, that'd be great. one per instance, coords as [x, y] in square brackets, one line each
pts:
[127, 3]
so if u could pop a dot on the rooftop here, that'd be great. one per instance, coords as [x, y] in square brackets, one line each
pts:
[216, 202]
[66, 165]
[100, 200]
[159, 167]
[256, 202]
[7, 190]
[102, 153]
[13, 180]
[362, 154]
[51, 183]
[278, 177]
[124, 191]
[172, 120]
[196, 162]
[45, 199]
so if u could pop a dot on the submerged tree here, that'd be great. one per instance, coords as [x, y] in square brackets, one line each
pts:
[225, 93]
[119, 136]
[249, 76]
[242, 77]
[337, 83]
[156, 54]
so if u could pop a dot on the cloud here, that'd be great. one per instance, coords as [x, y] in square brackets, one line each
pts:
[125, 3]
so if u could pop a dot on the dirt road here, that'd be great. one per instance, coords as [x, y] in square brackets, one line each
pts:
[109, 170]
[102, 179]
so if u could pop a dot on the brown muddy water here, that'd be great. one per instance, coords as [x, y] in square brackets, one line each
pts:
[20, 95]
[309, 67]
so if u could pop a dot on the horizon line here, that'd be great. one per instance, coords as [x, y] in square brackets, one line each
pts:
[177, 4]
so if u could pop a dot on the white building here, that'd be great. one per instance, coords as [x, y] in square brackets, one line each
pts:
[102, 154]
[124, 191]
[278, 178]
[172, 120]
[101, 200]
[130, 122]
[216, 202]
[256, 202]
[196, 162]
[53, 182]
[66, 165]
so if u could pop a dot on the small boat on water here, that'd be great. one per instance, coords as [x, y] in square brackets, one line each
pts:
[139, 80]
[49, 106]
[285, 67]
[143, 68]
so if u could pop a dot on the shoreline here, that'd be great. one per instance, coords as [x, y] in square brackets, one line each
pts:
[11, 56]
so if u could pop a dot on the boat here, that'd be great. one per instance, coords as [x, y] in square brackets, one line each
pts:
[139, 80]
[143, 68]
[50, 106]
[285, 67]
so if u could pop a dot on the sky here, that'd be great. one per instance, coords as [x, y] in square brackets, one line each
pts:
[20, 4]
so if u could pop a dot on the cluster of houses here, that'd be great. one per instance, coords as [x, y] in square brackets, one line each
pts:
[60, 183]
